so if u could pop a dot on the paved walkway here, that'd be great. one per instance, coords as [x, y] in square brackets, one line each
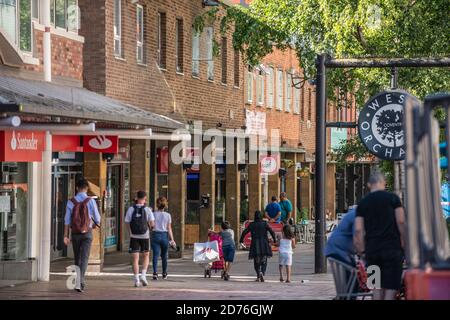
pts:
[185, 281]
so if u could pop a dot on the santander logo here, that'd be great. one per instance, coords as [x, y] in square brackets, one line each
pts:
[23, 143]
[100, 143]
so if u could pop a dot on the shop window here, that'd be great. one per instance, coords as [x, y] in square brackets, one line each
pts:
[14, 217]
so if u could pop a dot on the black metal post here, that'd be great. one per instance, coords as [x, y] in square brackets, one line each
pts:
[320, 264]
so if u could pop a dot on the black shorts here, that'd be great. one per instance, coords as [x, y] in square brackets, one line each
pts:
[139, 245]
[391, 267]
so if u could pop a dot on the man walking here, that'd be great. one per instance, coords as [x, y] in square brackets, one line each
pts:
[379, 235]
[140, 220]
[273, 211]
[81, 217]
[286, 207]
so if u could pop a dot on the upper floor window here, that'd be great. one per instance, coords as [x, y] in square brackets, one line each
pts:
[224, 55]
[118, 28]
[179, 42]
[140, 34]
[195, 53]
[260, 89]
[209, 51]
[288, 95]
[64, 14]
[249, 92]
[35, 9]
[270, 88]
[236, 68]
[302, 103]
[162, 33]
[309, 104]
[15, 20]
[280, 79]
[296, 100]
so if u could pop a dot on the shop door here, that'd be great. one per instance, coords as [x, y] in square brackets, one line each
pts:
[63, 189]
[113, 205]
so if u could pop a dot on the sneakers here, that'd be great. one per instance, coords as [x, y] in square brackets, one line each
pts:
[261, 278]
[144, 280]
[155, 276]
[137, 283]
[164, 276]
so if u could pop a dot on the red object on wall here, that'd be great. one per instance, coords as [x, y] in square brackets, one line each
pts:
[66, 144]
[163, 160]
[21, 146]
[105, 144]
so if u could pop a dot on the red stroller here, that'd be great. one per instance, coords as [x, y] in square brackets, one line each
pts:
[217, 265]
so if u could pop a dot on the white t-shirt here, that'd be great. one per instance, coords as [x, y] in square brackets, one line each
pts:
[150, 217]
[162, 218]
[286, 246]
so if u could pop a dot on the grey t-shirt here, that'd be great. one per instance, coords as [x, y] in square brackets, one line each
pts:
[227, 237]
[150, 217]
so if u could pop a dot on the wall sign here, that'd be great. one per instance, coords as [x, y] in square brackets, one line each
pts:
[66, 143]
[21, 146]
[269, 164]
[380, 125]
[163, 160]
[105, 144]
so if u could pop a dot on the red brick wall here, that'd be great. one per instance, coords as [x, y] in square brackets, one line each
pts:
[67, 56]
[179, 96]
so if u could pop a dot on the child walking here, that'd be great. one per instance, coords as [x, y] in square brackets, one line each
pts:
[228, 248]
[286, 244]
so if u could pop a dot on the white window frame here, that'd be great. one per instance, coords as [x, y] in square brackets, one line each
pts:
[209, 37]
[249, 87]
[296, 100]
[260, 89]
[288, 96]
[280, 79]
[195, 53]
[178, 67]
[35, 15]
[117, 28]
[270, 88]
[140, 36]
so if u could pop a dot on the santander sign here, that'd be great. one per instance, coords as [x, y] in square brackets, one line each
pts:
[23, 142]
[21, 146]
[105, 144]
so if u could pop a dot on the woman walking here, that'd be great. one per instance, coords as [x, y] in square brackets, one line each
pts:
[162, 237]
[259, 248]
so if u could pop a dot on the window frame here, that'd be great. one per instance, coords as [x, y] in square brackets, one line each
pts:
[210, 48]
[140, 38]
[271, 88]
[224, 60]
[117, 29]
[179, 49]
[280, 91]
[195, 70]
[296, 100]
[260, 89]
[249, 87]
[162, 49]
[236, 67]
[288, 89]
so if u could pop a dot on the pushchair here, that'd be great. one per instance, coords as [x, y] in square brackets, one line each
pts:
[217, 265]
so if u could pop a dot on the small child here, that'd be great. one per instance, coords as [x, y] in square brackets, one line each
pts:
[286, 244]
[228, 248]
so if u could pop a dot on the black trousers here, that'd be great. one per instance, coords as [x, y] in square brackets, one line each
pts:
[81, 248]
[260, 264]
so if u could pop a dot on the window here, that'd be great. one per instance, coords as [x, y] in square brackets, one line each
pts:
[280, 89]
[139, 34]
[260, 89]
[118, 28]
[25, 25]
[35, 9]
[224, 55]
[288, 96]
[249, 86]
[236, 68]
[209, 49]
[162, 48]
[309, 104]
[302, 103]
[179, 46]
[296, 100]
[195, 53]
[270, 88]
[64, 14]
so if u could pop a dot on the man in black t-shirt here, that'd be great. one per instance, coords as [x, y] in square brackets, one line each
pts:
[379, 235]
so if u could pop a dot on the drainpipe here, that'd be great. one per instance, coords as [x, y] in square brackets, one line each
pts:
[46, 210]
[47, 40]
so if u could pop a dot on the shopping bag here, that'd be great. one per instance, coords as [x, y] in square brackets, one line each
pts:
[205, 252]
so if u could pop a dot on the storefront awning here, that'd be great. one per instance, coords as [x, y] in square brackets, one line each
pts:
[51, 99]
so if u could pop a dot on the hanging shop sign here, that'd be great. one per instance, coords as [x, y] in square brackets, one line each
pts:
[66, 144]
[269, 164]
[105, 144]
[380, 125]
[21, 146]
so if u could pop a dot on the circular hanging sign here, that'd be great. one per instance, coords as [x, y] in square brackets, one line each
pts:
[380, 125]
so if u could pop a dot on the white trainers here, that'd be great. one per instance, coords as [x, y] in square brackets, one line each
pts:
[137, 283]
[144, 281]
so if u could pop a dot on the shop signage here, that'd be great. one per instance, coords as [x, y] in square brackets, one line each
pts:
[269, 164]
[163, 160]
[66, 144]
[380, 125]
[255, 122]
[105, 144]
[21, 146]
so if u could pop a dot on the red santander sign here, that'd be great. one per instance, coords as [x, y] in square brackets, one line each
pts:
[21, 146]
[105, 144]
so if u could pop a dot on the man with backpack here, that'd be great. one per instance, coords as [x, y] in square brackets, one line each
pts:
[140, 220]
[81, 217]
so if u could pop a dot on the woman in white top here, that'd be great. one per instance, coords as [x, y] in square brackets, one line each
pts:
[286, 244]
[162, 237]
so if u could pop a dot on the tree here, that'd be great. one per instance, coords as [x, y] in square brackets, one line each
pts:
[389, 125]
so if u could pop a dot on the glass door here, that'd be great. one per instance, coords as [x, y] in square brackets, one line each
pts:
[112, 207]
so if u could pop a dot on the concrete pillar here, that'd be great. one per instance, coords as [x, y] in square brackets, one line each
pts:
[291, 183]
[330, 205]
[233, 190]
[208, 186]
[95, 172]
[177, 200]
[139, 166]
[254, 189]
